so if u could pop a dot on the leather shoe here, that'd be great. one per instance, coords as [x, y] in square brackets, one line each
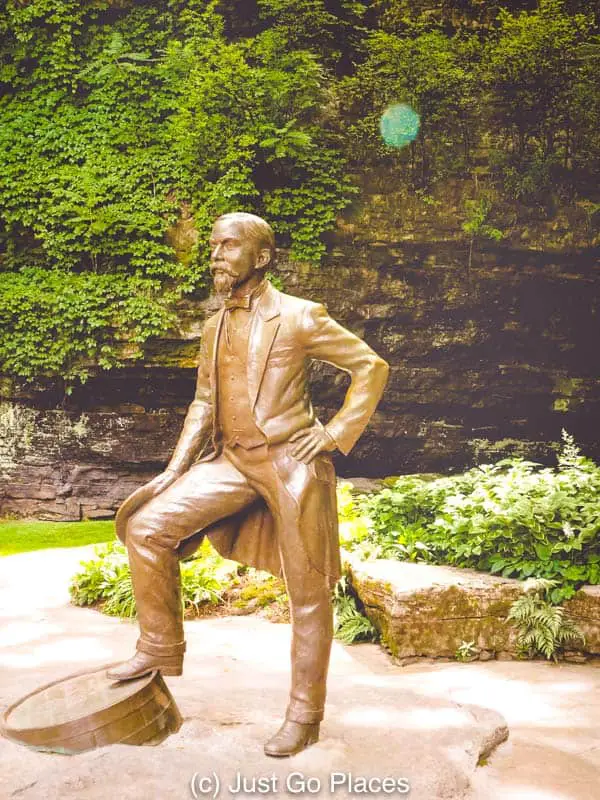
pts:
[292, 738]
[143, 663]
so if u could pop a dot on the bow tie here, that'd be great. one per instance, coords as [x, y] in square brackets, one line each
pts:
[246, 300]
[239, 302]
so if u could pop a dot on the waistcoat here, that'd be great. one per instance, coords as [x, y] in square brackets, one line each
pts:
[235, 417]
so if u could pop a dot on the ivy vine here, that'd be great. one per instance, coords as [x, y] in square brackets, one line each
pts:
[117, 119]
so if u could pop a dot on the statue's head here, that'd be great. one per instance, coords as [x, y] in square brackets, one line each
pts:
[241, 245]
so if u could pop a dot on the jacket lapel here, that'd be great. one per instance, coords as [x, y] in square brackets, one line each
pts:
[265, 325]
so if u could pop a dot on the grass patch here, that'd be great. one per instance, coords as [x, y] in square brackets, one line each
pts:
[21, 536]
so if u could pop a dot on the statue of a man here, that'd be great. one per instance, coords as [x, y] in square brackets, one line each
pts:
[252, 469]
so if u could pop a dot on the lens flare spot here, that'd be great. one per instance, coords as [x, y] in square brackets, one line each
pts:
[399, 125]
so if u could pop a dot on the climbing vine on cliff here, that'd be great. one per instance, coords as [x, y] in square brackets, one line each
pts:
[129, 125]
[116, 117]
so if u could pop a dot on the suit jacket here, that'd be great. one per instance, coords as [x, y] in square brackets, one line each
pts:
[286, 333]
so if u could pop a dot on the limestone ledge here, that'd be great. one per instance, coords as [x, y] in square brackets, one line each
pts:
[423, 610]
[487, 362]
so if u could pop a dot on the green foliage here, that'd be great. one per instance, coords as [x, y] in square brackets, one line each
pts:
[477, 224]
[121, 120]
[466, 651]
[56, 321]
[118, 118]
[117, 588]
[353, 528]
[106, 579]
[398, 519]
[23, 536]
[432, 73]
[275, 280]
[322, 27]
[349, 624]
[540, 83]
[509, 85]
[543, 628]
[512, 518]
[200, 585]
[531, 61]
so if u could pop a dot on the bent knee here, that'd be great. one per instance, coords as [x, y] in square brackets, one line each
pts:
[142, 525]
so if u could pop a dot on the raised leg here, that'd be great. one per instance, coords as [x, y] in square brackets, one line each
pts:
[206, 493]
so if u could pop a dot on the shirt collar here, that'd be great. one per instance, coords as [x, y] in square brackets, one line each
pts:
[247, 300]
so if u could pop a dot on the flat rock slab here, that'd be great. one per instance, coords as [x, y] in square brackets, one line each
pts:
[232, 697]
[429, 610]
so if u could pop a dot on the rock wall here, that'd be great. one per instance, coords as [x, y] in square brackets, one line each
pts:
[487, 361]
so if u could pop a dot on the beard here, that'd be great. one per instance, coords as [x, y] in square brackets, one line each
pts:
[223, 282]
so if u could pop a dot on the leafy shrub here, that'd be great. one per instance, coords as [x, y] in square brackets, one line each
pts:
[106, 580]
[543, 628]
[513, 518]
[118, 594]
[199, 585]
[353, 526]
[432, 71]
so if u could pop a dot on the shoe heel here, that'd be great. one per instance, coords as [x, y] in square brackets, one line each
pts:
[292, 738]
[171, 670]
[143, 663]
[170, 665]
[313, 736]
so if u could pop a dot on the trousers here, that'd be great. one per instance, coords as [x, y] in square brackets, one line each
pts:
[206, 493]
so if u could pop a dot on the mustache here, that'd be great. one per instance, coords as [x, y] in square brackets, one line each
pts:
[222, 268]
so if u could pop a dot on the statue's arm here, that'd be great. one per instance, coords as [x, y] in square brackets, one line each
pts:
[327, 340]
[196, 432]
[197, 426]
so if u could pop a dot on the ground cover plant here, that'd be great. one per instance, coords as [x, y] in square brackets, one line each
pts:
[105, 580]
[21, 536]
[514, 518]
[542, 627]
[349, 623]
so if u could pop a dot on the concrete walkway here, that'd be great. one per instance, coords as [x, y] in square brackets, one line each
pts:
[426, 723]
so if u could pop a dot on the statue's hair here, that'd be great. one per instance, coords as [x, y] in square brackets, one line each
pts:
[255, 227]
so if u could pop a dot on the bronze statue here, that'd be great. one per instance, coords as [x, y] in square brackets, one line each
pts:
[252, 469]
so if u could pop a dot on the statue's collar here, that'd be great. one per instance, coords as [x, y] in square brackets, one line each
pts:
[269, 302]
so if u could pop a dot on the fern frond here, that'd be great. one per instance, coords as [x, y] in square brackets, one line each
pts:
[542, 628]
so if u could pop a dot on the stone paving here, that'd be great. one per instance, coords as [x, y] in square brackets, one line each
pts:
[427, 723]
